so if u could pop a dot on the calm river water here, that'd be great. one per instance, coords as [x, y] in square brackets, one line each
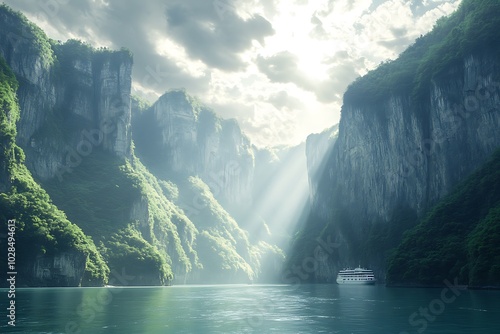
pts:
[253, 309]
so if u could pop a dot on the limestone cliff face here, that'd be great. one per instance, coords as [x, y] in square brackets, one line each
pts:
[318, 147]
[176, 118]
[63, 269]
[403, 156]
[31, 64]
[394, 155]
[93, 106]
[191, 140]
[71, 102]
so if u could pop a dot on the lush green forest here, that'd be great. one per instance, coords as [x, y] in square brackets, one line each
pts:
[25, 31]
[39, 223]
[98, 196]
[459, 238]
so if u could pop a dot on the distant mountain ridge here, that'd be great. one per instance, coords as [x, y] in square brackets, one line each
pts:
[194, 140]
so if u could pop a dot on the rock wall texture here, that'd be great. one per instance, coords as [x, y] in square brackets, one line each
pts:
[395, 154]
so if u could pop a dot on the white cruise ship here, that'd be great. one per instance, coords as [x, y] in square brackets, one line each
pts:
[356, 276]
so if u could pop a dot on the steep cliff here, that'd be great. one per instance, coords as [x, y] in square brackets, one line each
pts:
[417, 156]
[410, 131]
[179, 136]
[73, 98]
[46, 248]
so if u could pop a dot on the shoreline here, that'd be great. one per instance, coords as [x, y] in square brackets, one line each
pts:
[395, 286]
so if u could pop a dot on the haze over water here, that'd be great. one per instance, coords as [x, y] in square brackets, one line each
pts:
[253, 309]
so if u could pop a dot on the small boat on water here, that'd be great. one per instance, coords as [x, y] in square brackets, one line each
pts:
[360, 276]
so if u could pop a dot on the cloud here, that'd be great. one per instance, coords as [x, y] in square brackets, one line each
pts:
[198, 28]
[282, 67]
[332, 89]
[341, 70]
[216, 40]
[124, 23]
[319, 31]
[261, 122]
[279, 67]
[282, 99]
[420, 7]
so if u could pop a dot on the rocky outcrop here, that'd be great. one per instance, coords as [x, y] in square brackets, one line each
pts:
[389, 155]
[31, 63]
[63, 269]
[71, 102]
[190, 139]
[92, 105]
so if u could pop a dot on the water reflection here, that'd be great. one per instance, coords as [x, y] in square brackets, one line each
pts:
[248, 309]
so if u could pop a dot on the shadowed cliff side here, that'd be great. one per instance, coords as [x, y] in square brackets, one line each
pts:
[47, 249]
[410, 131]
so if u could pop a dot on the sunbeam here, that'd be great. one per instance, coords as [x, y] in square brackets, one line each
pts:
[285, 194]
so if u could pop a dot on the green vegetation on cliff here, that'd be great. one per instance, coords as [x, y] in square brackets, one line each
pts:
[471, 30]
[74, 50]
[138, 222]
[42, 230]
[97, 194]
[100, 196]
[460, 237]
[23, 33]
[483, 250]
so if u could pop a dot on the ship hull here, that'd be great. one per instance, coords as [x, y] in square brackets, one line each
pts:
[357, 276]
[343, 282]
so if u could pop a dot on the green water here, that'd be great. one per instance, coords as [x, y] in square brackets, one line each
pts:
[253, 309]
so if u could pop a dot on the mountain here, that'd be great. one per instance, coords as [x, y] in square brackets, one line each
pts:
[39, 234]
[178, 136]
[410, 132]
[102, 194]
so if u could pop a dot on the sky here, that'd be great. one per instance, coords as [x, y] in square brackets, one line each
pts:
[280, 67]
